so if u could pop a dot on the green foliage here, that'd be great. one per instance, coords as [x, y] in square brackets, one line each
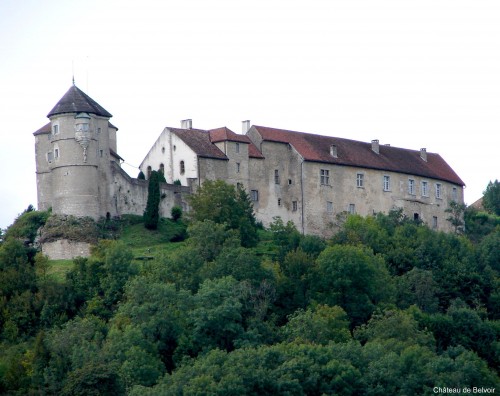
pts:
[320, 325]
[353, 278]
[491, 198]
[176, 213]
[210, 316]
[141, 176]
[222, 203]
[27, 224]
[285, 236]
[456, 217]
[152, 212]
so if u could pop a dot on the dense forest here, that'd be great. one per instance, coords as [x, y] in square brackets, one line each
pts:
[216, 304]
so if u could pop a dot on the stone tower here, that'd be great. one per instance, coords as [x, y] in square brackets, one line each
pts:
[73, 157]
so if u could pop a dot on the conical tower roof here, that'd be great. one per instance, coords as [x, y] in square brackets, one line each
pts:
[77, 101]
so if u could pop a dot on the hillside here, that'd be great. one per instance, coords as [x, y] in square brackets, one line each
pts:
[387, 306]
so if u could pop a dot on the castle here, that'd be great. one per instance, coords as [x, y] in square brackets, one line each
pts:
[302, 177]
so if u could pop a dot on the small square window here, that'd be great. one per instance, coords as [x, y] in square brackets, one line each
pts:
[50, 157]
[254, 195]
[289, 182]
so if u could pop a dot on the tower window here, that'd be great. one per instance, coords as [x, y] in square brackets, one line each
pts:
[55, 129]
[237, 167]
[454, 194]
[294, 206]
[237, 147]
[254, 195]
[434, 222]
[352, 209]
[101, 153]
[182, 167]
[276, 176]
[56, 153]
[279, 201]
[50, 157]
[329, 207]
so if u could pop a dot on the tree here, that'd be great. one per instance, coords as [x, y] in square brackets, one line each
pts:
[491, 197]
[354, 278]
[152, 213]
[141, 176]
[176, 213]
[456, 217]
[222, 203]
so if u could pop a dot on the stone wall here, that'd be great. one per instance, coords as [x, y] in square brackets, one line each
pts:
[64, 249]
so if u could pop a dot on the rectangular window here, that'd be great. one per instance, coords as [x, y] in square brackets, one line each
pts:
[352, 208]
[434, 222]
[56, 153]
[424, 189]
[101, 153]
[387, 183]
[360, 180]
[294, 206]
[411, 186]
[98, 130]
[276, 176]
[49, 156]
[55, 129]
[329, 207]
[289, 182]
[254, 195]
[237, 167]
[454, 194]
[438, 190]
[237, 147]
[324, 177]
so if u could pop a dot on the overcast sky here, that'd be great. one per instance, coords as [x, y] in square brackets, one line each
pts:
[410, 73]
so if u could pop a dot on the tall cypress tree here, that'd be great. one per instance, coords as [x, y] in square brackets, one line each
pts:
[152, 212]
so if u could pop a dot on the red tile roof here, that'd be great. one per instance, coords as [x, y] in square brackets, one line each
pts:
[222, 134]
[360, 154]
[199, 141]
[47, 128]
[225, 134]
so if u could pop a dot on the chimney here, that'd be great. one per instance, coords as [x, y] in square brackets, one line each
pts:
[375, 146]
[245, 126]
[187, 124]
[423, 154]
[333, 151]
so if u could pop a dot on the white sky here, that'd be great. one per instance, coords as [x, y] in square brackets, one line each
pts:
[410, 73]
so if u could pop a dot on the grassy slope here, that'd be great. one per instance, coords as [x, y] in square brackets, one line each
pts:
[146, 244]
